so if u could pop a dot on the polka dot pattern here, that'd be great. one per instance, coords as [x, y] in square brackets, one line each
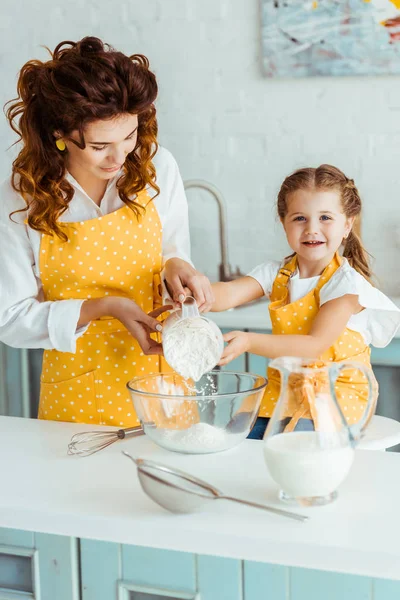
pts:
[296, 318]
[113, 255]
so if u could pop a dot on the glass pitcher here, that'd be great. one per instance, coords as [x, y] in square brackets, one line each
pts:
[308, 444]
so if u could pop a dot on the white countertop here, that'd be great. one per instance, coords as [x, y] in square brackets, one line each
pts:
[254, 316]
[99, 497]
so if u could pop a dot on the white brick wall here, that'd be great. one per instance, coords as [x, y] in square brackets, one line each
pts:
[225, 123]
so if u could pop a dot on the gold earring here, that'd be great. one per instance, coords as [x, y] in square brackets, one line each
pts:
[60, 145]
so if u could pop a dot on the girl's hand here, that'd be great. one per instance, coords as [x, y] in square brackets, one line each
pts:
[238, 343]
[183, 280]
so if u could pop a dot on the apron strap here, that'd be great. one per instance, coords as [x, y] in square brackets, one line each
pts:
[280, 286]
[327, 274]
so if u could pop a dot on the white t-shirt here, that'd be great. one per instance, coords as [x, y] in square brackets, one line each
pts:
[377, 323]
[26, 320]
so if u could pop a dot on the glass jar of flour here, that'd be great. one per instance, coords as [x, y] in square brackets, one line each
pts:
[192, 344]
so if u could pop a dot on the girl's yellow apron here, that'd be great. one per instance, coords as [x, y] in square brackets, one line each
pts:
[113, 255]
[296, 318]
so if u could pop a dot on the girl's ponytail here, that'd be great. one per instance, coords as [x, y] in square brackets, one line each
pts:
[356, 254]
[353, 249]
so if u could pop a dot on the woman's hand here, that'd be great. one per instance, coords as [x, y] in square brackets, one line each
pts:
[238, 343]
[137, 322]
[183, 280]
[141, 325]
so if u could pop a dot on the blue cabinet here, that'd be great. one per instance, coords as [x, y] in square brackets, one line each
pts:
[15, 392]
[39, 566]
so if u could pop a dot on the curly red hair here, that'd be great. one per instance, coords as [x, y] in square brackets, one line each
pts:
[83, 82]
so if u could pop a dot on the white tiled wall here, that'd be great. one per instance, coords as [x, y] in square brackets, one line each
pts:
[227, 124]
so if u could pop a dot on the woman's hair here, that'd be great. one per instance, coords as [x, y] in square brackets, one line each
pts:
[83, 82]
[327, 177]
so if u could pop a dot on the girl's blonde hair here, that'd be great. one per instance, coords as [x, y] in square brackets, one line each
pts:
[327, 177]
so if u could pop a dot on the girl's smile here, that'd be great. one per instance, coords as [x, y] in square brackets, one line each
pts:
[312, 243]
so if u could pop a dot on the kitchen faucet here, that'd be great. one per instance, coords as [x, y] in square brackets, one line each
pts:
[225, 271]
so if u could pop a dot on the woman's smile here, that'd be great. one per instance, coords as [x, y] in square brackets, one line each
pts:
[111, 169]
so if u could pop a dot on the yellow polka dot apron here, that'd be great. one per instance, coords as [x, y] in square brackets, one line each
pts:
[113, 255]
[296, 318]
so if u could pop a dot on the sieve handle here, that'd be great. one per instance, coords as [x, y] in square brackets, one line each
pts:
[277, 511]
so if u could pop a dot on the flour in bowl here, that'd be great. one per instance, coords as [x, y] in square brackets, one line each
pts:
[198, 438]
[192, 348]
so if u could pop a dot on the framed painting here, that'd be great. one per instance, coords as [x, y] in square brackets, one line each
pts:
[330, 37]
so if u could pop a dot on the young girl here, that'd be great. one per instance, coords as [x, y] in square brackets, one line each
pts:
[322, 303]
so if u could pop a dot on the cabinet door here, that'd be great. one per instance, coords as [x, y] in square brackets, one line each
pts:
[20, 371]
[388, 356]
[386, 367]
[19, 577]
[258, 364]
[136, 573]
[14, 382]
[38, 566]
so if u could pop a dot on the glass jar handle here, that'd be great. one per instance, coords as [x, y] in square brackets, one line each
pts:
[189, 308]
[334, 371]
[275, 422]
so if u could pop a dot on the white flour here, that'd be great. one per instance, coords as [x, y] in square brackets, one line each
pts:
[198, 438]
[191, 348]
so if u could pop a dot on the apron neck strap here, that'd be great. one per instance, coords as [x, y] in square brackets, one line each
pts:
[329, 271]
[288, 269]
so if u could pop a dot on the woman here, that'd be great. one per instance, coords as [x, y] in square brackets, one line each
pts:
[93, 212]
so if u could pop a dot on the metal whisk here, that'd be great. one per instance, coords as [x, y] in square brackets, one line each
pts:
[89, 442]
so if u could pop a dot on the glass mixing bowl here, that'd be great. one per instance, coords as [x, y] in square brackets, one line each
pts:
[213, 414]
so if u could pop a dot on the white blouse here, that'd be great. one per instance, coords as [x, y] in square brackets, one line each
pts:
[377, 323]
[26, 320]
